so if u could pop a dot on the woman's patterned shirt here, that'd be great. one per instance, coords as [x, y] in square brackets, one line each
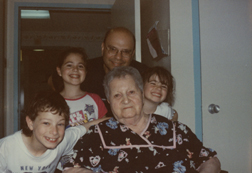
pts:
[163, 146]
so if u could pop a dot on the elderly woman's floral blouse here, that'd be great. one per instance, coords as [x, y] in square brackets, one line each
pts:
[164, 146]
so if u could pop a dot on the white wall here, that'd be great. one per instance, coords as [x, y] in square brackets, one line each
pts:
[152, 11]
[123, 14]
[182, 59]
[181, 50]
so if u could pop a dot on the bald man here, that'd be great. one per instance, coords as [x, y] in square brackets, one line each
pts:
[118, 49]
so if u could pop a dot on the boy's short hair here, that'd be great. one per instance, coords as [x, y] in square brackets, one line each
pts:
[45, 101]
[165, 77]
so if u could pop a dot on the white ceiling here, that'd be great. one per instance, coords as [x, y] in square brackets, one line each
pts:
[69, 21]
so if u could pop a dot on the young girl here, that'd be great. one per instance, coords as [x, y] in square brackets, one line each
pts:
[84, 106]
[159, 87]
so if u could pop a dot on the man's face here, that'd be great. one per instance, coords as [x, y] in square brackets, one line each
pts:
[118, 50]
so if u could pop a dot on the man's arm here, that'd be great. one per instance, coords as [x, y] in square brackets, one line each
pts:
[210, 166]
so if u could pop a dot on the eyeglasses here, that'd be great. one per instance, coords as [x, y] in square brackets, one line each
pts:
[124, 53]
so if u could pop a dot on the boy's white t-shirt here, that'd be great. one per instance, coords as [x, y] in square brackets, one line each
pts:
[164, 110]
[15, 157]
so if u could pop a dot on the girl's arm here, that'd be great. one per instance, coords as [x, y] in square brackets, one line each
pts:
[175, 115]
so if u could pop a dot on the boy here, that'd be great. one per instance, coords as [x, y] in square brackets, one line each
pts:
[43, 139]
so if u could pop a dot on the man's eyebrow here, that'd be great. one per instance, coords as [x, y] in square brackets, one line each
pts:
[111, 46]
[127, 50]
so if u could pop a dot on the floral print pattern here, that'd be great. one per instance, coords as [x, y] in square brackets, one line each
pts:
[164, 146]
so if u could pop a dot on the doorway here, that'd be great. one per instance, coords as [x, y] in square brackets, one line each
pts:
[32, 40]
[12, 106]
[42, 40]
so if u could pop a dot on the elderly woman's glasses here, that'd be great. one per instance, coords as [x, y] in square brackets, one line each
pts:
[124, 53]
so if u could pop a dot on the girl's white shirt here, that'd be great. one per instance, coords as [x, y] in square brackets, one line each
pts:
[164, 110]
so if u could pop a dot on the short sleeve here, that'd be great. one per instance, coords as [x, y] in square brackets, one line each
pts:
[164, 110]
[188, 142]
[3, 166]
[102, 110]
[72, 135]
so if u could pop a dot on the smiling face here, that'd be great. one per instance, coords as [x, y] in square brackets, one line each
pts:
[48, 130]
[72, 70]
[118, 50]
[125, 99]
[154, 90]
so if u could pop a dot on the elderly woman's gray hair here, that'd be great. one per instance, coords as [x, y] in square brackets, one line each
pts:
[119, 72]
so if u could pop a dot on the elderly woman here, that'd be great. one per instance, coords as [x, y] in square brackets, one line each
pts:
[136, 142]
